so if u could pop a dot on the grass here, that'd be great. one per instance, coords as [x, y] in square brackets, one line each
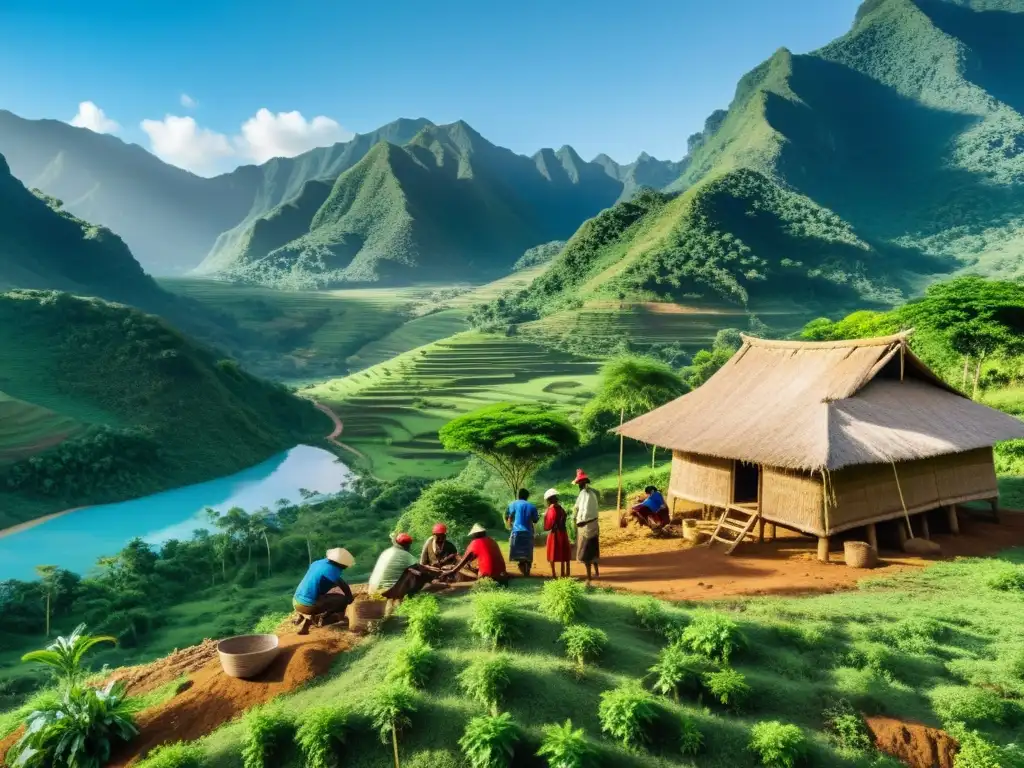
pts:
[801, 658]
[392, 411]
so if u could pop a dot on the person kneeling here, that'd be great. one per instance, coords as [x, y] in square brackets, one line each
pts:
[322, 591]
[652, 511]
[398, 574]
[482, 556]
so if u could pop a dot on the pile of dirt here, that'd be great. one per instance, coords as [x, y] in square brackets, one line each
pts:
[912, 743]
[149, 677]
[213, 698]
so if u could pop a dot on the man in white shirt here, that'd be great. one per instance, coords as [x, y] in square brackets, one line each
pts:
[588, 534]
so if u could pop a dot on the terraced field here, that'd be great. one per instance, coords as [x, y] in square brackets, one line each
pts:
[392, 411]
[26, 429]
[415, 333]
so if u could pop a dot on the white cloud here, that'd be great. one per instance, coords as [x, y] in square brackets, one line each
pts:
[181, 142]
[286, 134]
[188, 102]
[95, 119]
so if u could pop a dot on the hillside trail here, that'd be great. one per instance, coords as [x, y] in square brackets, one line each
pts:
[339, 427]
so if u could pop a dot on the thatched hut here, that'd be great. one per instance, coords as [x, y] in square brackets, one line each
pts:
[822, 437]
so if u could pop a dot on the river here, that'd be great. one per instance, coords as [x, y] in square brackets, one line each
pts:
[75, 541]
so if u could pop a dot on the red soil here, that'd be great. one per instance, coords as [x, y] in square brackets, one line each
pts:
[913, 744]
[148, 677]
[212, 698]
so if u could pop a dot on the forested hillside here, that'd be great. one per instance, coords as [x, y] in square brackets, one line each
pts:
[446, 205]
[855, 174]
[120, 405]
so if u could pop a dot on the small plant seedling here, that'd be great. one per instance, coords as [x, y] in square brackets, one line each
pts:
[650, 614]
[489, 741]
[266, 733]
[320, 735]
[390, 709]
[778, 745]
[583, 644]
[423, 614]
[562, 599]
[627, 714]
[566, 747]
[486, 680]
[691, 740]
[729, 687]
[496, 618]
[677, 671]
[412, 664]
[713, 635]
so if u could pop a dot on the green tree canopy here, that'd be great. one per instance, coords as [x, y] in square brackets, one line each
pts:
[707, 361]
[515, 439]
[630, 385]
[450, 502]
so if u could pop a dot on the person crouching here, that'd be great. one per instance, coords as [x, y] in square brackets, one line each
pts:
[652, 511]
[323, 593]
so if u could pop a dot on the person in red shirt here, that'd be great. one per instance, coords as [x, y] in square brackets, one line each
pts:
[559, 546]
[482, 556]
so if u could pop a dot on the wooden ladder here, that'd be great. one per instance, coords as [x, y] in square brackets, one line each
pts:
[740, 525]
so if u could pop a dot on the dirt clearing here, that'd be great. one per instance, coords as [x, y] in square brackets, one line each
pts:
[913, 744]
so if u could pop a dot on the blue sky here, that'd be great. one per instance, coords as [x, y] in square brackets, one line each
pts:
[614, 77]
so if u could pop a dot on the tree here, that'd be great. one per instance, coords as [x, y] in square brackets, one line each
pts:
[632, 385]
[515, 439]
[48, 584]
[706, 362]
[447, 501]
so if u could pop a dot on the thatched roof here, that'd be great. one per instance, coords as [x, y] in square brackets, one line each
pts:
[823, 405]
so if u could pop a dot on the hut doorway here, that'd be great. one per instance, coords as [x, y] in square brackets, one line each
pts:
[745, 479]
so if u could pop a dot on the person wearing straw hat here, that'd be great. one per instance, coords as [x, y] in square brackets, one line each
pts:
[559, 547]
[482, 556]
[588, 532]
[397, 574]
[322, 591]
[521, 516]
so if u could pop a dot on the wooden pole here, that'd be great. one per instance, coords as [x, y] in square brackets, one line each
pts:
[771, 531]
[394, 743]
[823, 543]
[925, 531]
[873, 537]
[954, 522]
[760, 531]
[902, 532]
[622, 419]
[654, 452]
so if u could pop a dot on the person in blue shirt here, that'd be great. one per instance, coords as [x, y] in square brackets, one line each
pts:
[653, 511]
[521, 516]
[323, 591]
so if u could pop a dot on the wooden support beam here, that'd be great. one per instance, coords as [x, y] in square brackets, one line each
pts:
[760, 530]
[771, 531]
[995, 509]
[925, 531]
[954, 521]
[873, 537]
[901, 530]
[823, 543]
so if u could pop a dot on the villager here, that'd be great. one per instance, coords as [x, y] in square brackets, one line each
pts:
[588, 533]
[439, 550]
[482, 557]
[323, 594]
[652, 511]
[559, 547]
[397, 574]
[523, 516]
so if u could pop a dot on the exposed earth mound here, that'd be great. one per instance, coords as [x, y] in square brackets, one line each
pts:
[914, 744]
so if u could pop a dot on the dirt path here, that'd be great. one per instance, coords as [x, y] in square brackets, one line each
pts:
[339, 427]
[37, 521]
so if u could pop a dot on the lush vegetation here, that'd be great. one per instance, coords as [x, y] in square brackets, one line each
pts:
[174, 412]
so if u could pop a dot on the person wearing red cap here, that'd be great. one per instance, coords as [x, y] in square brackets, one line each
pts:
[397, 574]
[438, 550]
[588, 533]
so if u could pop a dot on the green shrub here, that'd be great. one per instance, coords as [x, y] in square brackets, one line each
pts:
[969, 705]
[677, 671]
[1008, 579]
[496, 618]
[627, 714]
[1016, 664]
[79, 729]
[321, 734]
[729, 687]
[777, 745]
[412, 664]
[390, 710]
[565, 747]
[423, 614]
[846, 728]
[268, 624]
[874, 656]
[562, 599]
[978, 752]
[489, 741]
[583, 643]
[485, 680]
[914, 635]
[691, 740]
[484, 584]
[651, 614]
[179, 755]
[713, 635]
[267, 731]
[450, 502]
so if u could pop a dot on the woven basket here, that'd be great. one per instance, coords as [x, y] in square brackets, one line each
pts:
[859, 554]
[362, 613]
[247, 655]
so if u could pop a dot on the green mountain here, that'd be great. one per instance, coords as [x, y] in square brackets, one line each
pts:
[448, 205]
[111, 403]
[854, 174]
[645, 171]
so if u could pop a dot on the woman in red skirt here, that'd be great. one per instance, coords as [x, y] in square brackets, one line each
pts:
[559, 547]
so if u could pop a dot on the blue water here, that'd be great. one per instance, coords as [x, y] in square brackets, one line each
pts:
[77, 540]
